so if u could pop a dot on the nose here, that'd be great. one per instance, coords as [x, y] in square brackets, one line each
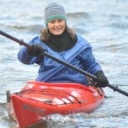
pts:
[56, 23]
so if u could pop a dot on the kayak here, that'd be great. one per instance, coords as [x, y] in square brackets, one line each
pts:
[40, 99]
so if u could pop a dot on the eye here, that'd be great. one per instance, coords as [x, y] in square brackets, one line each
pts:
[60, 20]
[52, 21]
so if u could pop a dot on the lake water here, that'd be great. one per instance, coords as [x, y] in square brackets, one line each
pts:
[103, 23]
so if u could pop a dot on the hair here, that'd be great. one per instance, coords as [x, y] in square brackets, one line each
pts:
[45, 33]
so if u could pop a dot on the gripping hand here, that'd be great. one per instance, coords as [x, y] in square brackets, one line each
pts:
[35, 50]
[102, 80]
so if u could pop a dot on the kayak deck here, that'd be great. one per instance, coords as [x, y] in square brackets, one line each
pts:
[39, 99]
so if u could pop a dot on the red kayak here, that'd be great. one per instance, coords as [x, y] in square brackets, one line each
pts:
[39, 99]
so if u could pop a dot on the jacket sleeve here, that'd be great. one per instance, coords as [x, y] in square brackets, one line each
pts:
[23, 55]
[89, 62]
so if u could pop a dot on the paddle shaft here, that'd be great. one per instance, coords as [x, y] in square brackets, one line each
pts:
[21, 42]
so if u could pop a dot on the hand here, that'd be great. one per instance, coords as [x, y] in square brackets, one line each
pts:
[35, 50]
[102, 80]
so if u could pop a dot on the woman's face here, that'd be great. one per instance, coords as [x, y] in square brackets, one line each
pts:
[57, 26]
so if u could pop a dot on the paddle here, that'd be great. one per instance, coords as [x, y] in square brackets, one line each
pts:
[21, 42]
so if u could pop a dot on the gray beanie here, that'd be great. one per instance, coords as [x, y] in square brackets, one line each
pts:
[54, 11]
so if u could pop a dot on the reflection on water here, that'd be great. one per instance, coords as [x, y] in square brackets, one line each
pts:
[104, 24]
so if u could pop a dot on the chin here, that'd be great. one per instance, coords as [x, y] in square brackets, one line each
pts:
[58, 34]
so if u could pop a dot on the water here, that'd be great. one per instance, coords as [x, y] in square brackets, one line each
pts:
[103, 23]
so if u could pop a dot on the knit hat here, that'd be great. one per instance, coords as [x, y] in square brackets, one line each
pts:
[54, 11]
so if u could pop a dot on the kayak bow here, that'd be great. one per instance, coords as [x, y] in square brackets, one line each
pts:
[39, 99]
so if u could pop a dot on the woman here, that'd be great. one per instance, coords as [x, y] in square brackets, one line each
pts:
[62, 42]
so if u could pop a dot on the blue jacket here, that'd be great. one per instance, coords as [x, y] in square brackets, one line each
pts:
[51, 71]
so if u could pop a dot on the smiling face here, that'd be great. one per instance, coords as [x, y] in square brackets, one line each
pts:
[57, 26]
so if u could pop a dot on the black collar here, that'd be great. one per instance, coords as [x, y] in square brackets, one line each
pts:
[61, 43]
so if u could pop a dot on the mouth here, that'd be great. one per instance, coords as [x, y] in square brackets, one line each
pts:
[58, 29]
